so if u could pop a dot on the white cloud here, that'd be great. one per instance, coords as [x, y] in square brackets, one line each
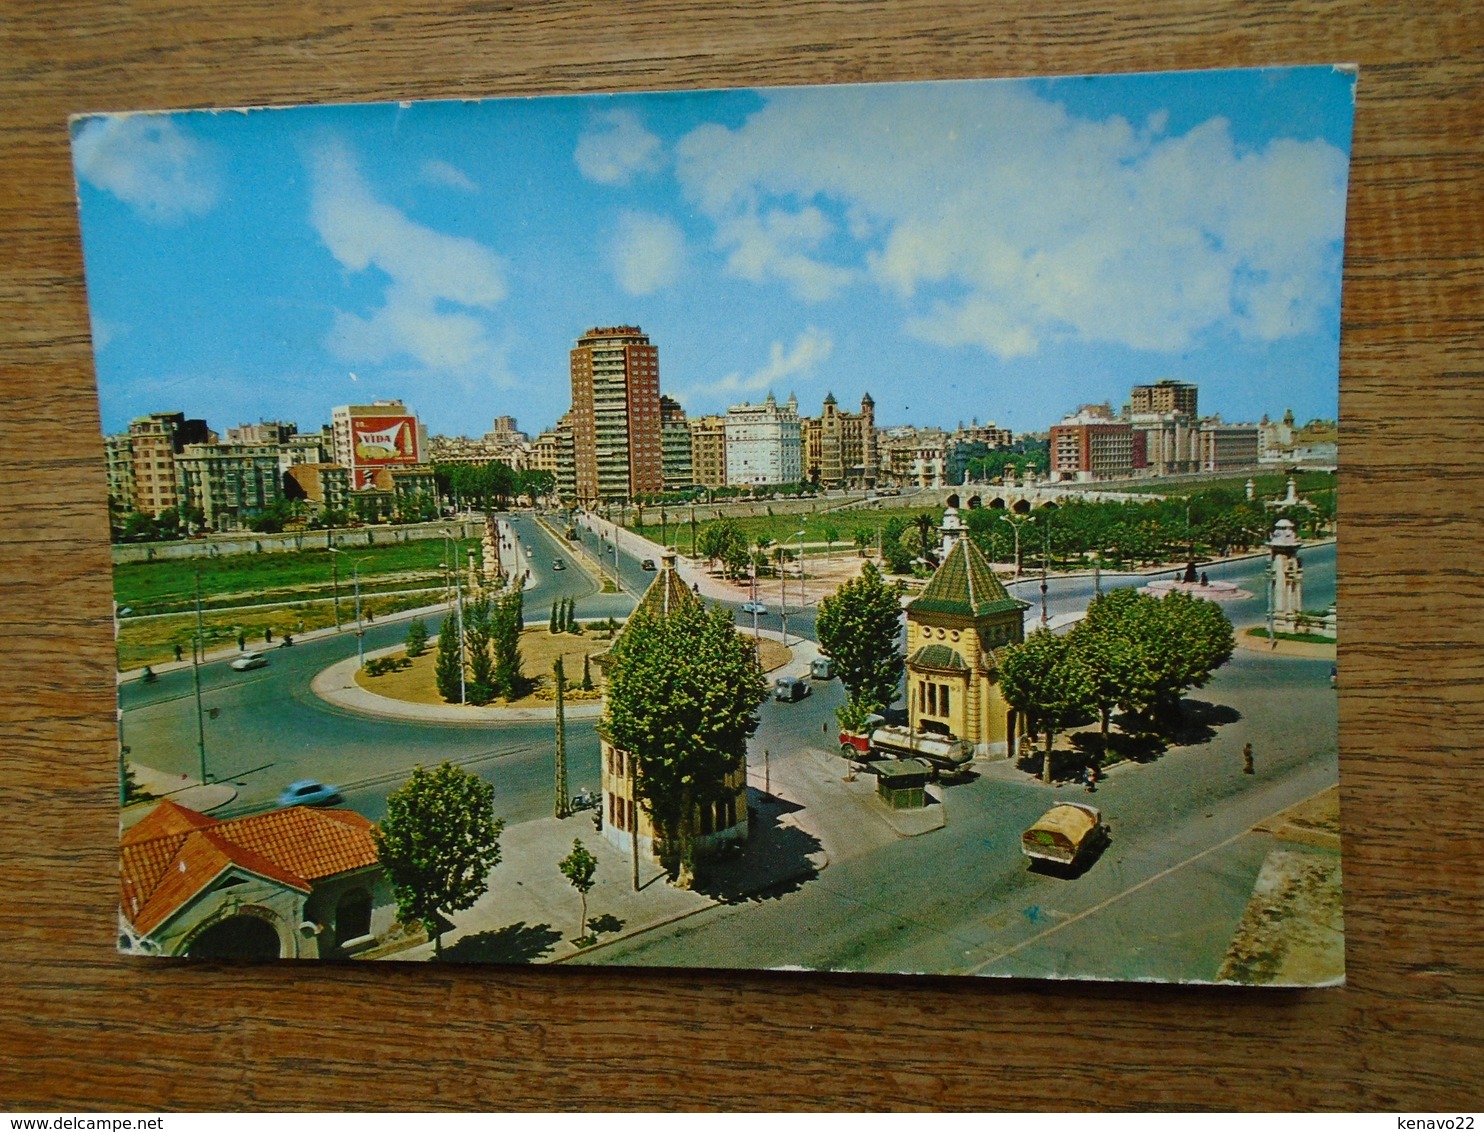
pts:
[999, 220]
[616, 149]
[445, 175]
[428, 271]
[648, 253]
[810, 350]
[149, 163]
[105, 331]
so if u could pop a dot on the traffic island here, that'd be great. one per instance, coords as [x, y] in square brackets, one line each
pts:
[410, 691]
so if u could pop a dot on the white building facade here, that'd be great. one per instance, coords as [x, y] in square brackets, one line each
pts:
[764, 443]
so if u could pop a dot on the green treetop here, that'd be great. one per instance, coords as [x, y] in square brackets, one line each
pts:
[683, 689]
[438, 842]
[859, 627]
[1043, 679]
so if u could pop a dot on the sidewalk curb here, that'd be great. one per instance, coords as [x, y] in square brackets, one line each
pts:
[675, 918]
[336, 685]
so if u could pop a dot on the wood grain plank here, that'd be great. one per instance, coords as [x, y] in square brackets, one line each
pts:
[80, 1025]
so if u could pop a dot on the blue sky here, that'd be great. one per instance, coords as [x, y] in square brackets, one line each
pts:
[1000, 250]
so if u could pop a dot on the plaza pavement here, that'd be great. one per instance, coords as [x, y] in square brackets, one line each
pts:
[813, 814]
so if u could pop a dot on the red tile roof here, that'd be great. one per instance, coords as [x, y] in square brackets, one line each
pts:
[175, 853]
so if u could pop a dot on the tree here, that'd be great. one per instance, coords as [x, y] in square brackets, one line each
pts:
[478, 632]
[683, 690]
[448, 665]
[925, 527]
[1118, 672]
[587, 672]
[862, 537]
[138, 527]
[831, 536]
[438, 842]
[1042, 679]
[578, 867]
[1190, 638]
[859, 628]
[722, 541]
[417, 637]
[552, 627]
[505, 625]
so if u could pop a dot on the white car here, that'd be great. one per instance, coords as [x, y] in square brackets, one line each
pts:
[754, 607]
[249, 660]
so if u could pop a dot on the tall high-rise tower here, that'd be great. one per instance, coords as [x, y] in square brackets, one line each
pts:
[616, 414]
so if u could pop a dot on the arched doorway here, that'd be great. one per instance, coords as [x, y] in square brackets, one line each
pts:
[237, 937]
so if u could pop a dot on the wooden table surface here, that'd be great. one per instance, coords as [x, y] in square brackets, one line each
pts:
[81, 1028]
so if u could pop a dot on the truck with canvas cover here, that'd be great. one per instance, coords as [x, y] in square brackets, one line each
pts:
[1064, 834]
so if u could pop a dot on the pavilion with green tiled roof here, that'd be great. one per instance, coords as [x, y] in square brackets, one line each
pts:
[965, 585]
[955, 628]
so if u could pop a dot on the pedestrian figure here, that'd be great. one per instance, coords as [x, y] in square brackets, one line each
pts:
[267, 636]
[1203, 578]
[1247, 767]
[177, 654]
[1092, 779]
[241, 642]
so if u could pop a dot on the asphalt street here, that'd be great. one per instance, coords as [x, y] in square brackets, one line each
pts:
[1168, 891]
[1160, 902]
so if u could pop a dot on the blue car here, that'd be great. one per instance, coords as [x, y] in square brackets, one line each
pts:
[308, 792]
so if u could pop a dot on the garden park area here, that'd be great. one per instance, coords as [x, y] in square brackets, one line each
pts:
[248, 595]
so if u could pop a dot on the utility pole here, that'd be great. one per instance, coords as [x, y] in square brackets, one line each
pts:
[563, 799]
[355, 570]
[198, 653]
[1045, 564]
[782, 596]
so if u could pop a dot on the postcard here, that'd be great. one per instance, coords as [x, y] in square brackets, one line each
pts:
[874, 528]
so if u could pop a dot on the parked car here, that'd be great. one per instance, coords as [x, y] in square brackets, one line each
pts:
[790, 689]
[249, 660]
[822, 668]
[309, 792]
[647, 564]
[558, 564]
[754, 607]
[1064, 835]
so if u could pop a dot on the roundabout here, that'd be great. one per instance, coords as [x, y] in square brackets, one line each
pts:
[345, 685]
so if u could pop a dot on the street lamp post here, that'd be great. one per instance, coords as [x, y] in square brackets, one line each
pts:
[1045, 565]
[335, 583]
[1014, 526]
[355, 573]
[752, 588]
[803, 600]
[198, 654]
[1272, 592]
[782, 596]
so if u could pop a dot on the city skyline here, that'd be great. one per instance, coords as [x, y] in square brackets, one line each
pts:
[1027, 245]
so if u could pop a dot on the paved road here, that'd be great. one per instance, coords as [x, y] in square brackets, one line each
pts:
[1164, 898]
[264, 728]
[956, 899]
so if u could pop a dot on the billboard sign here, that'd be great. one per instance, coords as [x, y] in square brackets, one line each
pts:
[384, 440]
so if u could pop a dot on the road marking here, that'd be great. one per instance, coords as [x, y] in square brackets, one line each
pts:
[1145, 883]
